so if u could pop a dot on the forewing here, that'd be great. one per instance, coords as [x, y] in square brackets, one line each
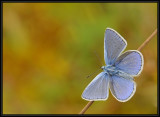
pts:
[97, 89]
[114, 44]
[130, 62]
[122, 88]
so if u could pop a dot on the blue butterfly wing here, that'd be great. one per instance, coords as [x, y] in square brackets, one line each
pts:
[98, 89]
[130, 62]
[122, 88]
[114, 44]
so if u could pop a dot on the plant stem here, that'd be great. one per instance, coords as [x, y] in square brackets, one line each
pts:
[140, 47]
[86, 107]
[147, 40]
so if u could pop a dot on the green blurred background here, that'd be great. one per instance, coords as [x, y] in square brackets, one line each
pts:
[50, 48]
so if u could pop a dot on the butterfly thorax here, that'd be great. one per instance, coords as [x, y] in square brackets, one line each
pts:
[109, 69]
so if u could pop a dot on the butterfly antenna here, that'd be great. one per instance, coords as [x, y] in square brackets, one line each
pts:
[98, 58]
[99, 67]
[93, 73]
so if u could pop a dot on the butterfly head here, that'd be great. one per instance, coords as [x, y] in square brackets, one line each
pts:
[109, 69]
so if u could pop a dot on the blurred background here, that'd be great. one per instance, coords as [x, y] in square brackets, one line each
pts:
[50, 48]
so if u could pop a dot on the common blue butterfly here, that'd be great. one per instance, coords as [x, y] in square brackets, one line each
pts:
[118, 72]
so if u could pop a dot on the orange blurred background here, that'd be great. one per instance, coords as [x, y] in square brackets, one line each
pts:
[49, 50]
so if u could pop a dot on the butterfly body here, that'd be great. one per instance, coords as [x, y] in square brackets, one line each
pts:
[110, 70]
[118, 73]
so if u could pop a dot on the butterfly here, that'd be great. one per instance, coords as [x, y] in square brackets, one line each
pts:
[118, 73]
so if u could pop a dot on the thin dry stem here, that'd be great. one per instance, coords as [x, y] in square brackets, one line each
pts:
[147, 40]
[86, 107]
[140, 47]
